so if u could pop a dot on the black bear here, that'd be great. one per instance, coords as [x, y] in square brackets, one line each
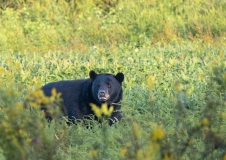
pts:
[98, 89]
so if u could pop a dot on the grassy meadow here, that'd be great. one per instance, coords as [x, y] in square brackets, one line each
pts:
[173, 56]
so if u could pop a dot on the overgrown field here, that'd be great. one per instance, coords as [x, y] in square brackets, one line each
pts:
[173, 56]
[167, 86]
[43, 25]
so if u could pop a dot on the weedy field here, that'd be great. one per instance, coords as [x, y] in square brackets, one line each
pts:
[173, 56]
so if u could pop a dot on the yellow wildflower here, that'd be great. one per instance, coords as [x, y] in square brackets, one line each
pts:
[123, 152]
[19, 106]
[5, 124]
[33, 104]
[158, 133]
[54, 92]
[54, 95]
[189, 91]
[104, 108]
[52, 99]
[167, 156]
[102, 111]
[206, 122]
[39, 93]
[39, 100]
[45, 100]
[224, 158]
[22, 133]
[96, 110]
[150, 82]
[4, 71]
[223, 114]
[29, 140]
[111, 109]
[93, 153]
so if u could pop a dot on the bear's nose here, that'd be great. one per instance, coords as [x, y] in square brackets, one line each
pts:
[102, 92]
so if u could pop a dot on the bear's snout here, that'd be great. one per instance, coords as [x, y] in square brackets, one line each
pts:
[102, 92]
[103, 95]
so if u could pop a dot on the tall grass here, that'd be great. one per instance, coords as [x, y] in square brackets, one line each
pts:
[173, 104]
[40, 26]
[173, 56]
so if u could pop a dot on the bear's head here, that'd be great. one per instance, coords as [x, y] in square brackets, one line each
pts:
[106, 87]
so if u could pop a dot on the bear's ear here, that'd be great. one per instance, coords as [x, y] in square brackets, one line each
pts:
[92, 75]
[119, 77]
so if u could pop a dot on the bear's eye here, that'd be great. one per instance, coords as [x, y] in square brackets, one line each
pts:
[109, 86]
[98, 85]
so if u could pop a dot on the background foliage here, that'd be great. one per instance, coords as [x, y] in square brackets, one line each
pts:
[43, 25]
[172, 53]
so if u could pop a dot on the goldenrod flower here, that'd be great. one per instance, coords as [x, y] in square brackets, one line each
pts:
[33, 104]
[104, 108]
[189, 91]
[51, 99]
[28, 140]
[105, 111]
[54, 95]
[158, 133]
[22, 132]
[5, 124]
[224, 158]
[36, 94]
[19, 106]
[39, 100]
[93, 153]
[39, 93]
[150, 82]
[45, 100]
[96, 110]
[206, 122]
[54, 92]
[4, 71]
[123, 152]
[223, 114]
[102, 111]
[111, 109]
[167, 156]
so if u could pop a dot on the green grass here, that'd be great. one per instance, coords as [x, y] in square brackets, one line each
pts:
[187, 66]
[173, 56]
[40, 26]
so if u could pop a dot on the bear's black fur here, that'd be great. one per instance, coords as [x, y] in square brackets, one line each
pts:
[98, 89]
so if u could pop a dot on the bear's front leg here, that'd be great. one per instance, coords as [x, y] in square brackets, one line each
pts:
[115, 117]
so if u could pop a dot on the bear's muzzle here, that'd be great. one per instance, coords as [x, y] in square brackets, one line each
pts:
[103, 96]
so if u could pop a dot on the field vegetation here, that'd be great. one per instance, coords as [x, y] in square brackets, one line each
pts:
[173, 55]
